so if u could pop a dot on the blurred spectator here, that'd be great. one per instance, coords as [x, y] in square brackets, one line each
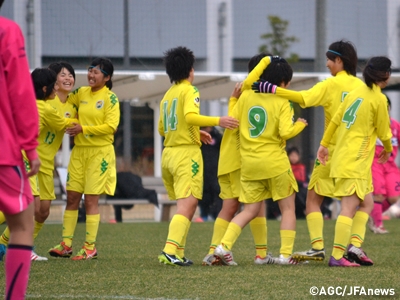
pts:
[298, 168]
[129, 186]
[300, 173]
[211, 203]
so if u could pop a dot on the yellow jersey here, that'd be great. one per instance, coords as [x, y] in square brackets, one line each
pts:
[181, 99]
[330, 93]
[229, 157]
[229, 153]
[51, 123]
[98, 114]
[266, 121]
[360, 119]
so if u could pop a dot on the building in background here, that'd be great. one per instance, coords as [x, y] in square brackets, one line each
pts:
[223, 34]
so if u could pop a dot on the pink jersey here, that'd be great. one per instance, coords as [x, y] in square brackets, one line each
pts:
[395, 128]
[18, 112]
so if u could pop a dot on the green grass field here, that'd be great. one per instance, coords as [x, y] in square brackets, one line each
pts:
[127, 267]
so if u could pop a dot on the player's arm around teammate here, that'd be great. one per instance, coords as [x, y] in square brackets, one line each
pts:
[91, 170]
[262, 123]
[362, 116]
[329, 93]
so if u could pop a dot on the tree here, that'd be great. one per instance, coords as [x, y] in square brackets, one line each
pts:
[277, 43]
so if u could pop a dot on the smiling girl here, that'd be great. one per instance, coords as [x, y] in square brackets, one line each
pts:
[91, 170]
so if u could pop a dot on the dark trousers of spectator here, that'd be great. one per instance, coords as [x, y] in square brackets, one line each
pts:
[118, 211]
[211, 203]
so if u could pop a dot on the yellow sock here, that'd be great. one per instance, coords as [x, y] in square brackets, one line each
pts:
[5, 236]
[342, 236]
[36, 229]
[69, 223]
[220, 226]
[232, 233]
[92, 227]
[180, 251]
[2, 217]
[287, 242]
[358, 229]
[315, 223]
[176, 233]
[258, 228]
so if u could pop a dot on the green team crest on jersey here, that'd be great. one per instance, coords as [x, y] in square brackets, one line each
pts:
[103, 166]
[195, 168]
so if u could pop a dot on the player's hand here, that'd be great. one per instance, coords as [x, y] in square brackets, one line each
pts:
[383, 156]
[237, 91]
[35, 165]
[302, 121]
[228, 122]
[263, 86]
[74, 130]
[323, 154]
[205, 137]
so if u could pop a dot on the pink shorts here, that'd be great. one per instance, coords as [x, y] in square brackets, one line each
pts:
[15, 191]
[386, 179]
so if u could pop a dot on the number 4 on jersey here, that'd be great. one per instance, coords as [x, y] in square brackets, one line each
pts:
[170, 120]
[350, 116]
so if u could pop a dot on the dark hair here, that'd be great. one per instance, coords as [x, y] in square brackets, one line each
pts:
[1, 3]
[178, 63]
[58, 66]
[347, 53]
[293, 149]
[388, 101]
[106, 67]
[253, 62]
[43, 77]
[378, 69]
[278, 72]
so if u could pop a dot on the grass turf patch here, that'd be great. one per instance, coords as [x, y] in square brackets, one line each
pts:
[127, 266]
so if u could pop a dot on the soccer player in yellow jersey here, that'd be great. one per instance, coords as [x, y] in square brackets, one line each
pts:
[181, 162]
[329, 93]
[47, 151]
[50, 123]
[360, 119]
[229, 175]
[91, 170]
[266, 121]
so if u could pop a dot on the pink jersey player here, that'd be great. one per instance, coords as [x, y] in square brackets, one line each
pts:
[18, 131]
[386, 180]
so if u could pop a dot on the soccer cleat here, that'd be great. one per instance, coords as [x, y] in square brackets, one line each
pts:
[312, 254]
[36, 257]
[61, 250]
[85, 254]
[187, 261]
[343, 262]
[225, 256]
[380, 230]
[172, 260]
[268, 260]
[3, 250]
[371, 224]
[211, 260]
[359, 256]
[281, 260]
